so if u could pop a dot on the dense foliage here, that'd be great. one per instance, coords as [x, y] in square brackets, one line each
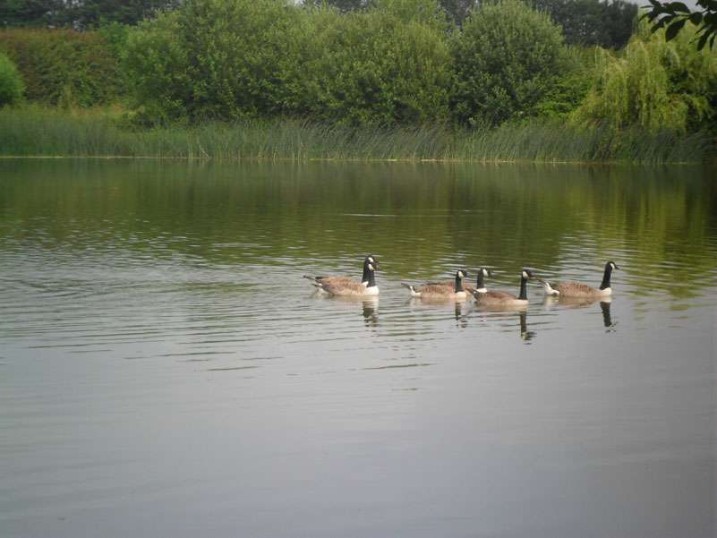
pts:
[214, 59]
[63, 67]
[11, 84]
[383, 66]
[672, 16]
[78, 14]
[507, 59]
[592, 22]
[655, 85]
[392, 63]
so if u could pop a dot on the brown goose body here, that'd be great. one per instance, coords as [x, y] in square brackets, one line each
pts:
[440, 290]
[345, 286]
[499, 298]
[581, 290]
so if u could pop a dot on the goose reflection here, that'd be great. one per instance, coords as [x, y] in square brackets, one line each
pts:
[525, 334]
[422, 302]
[509, 312]
[583, 302]
[606, 316]
[370, 311]
[368, 305]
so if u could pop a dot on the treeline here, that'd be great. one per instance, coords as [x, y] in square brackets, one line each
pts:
[388, 63]
[584, 22]
[78, 14]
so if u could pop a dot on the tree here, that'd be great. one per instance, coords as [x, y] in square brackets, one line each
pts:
[11, 85]
[29, 12]
[94, 13]
[674, 15]
[592, 22]
[507, 59]
[342, 5]
[63, 67]
[385, 65]
[653, 84]
[79, 14]
[216, 59]
[458, 10]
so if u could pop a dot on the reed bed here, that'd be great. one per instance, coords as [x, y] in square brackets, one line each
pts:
[33, 131]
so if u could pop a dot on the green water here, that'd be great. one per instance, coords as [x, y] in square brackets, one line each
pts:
[165, 370]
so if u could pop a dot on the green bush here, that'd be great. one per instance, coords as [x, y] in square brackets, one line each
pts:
[156, 67]
[214, 59]
[507, 59]
[384, 66]
[63, 67]
[242, 59]
[11, 85]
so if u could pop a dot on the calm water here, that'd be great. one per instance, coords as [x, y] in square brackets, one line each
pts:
[165, 370]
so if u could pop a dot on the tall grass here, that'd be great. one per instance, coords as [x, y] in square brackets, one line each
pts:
[33, 131]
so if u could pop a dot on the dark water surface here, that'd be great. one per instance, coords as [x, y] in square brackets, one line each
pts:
[165, 370]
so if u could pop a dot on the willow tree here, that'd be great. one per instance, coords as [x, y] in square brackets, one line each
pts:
[653, 84]
[507, 58]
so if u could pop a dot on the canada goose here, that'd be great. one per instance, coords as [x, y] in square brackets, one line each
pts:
[440, 290]
[346, 286]
[482, 273]
[503, 298]
[578, 289]
[480, 285]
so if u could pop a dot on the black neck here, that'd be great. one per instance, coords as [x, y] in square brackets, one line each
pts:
[523, 288]
[479, 281]
[606, 277]
[366, 273]
[458, 283]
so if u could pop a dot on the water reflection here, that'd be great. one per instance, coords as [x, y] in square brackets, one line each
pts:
[550, 302]
[606, 316]
[370, 311]
[525, 334]
[176, 265]
[494, 315]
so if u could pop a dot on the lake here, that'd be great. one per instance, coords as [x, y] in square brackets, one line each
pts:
[166, 370]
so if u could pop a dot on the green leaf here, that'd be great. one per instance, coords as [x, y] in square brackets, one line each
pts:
[674, 29]
[701, 42]
[678, 7]
[696, 18]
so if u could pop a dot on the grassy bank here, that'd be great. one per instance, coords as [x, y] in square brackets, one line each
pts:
[51, 132]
